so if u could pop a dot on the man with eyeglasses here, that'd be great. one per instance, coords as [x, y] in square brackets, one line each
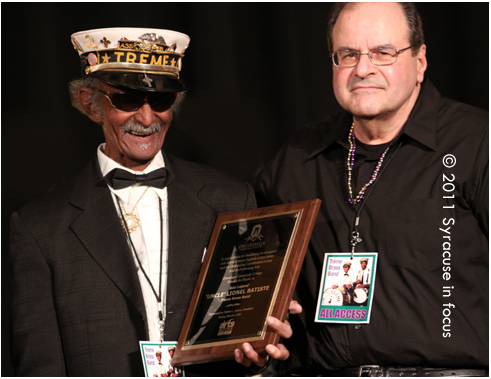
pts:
[112, 258]
[403, 174]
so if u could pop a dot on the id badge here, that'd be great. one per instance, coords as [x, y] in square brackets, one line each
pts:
[347, 288]
[156, 359]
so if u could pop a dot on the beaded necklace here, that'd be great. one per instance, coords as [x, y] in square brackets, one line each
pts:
[351, 162]
[355, 234]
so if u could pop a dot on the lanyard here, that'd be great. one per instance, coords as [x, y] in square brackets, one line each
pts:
[355, 233]
[159, 295]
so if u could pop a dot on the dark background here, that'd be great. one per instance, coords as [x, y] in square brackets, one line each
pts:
[254, 71]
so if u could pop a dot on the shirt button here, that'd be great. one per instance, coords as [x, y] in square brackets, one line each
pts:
[357, 327]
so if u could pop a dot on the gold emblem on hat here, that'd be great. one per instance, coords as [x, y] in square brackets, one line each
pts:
[89, 42]
[105, 58]
[105, 42]
[148, 46]
[76, 45]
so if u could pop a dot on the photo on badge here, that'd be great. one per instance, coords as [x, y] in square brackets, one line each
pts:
[156, 359]
[347, 287]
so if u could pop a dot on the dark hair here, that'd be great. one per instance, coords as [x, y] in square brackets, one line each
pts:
[416, 36]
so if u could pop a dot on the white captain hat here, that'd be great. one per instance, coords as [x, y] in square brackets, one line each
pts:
[142, 59]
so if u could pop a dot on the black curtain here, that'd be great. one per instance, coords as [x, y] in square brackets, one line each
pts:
[255, 72]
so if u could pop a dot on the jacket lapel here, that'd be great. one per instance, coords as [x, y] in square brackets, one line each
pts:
[189, 231]
[99, 229]
[190, 224]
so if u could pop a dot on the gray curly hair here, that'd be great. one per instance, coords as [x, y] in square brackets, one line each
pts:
[89, 82]
[95, 84]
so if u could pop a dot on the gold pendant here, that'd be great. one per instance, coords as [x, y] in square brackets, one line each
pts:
[132, 222]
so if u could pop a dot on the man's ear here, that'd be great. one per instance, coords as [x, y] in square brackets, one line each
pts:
[422, 63]
[84, 98]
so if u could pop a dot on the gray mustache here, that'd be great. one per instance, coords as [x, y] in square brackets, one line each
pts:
[136, 127]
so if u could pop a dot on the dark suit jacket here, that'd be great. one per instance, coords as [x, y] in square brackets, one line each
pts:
[77, 305]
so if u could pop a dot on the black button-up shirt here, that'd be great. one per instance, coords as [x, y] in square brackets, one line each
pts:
[427, 221]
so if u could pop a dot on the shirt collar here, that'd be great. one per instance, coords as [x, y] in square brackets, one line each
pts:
[336, 129]
[420, 126]
[107, 165]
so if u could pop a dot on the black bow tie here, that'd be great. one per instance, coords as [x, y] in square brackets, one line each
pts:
[346, 275]
[119, 179]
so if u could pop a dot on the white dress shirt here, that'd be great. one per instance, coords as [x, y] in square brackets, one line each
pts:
[345, 279]
[143, 201]
[364, 276]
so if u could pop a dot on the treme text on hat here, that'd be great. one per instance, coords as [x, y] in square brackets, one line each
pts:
[134, 58]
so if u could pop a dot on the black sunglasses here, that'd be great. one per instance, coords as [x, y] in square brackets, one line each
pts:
[132, 101]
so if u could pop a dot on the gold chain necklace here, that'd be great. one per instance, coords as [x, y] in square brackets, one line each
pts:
[132, 220]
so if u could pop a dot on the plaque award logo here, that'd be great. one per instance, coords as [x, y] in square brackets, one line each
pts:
[226, 327]
[255, 239]
[255, 234]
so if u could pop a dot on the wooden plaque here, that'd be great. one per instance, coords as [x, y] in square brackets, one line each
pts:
[249, 273]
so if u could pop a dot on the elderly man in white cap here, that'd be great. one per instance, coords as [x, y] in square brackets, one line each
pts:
[345, 283]
[112, 258]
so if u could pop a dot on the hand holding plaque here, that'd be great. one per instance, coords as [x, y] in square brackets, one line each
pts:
[248, 355]
[249, 273]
